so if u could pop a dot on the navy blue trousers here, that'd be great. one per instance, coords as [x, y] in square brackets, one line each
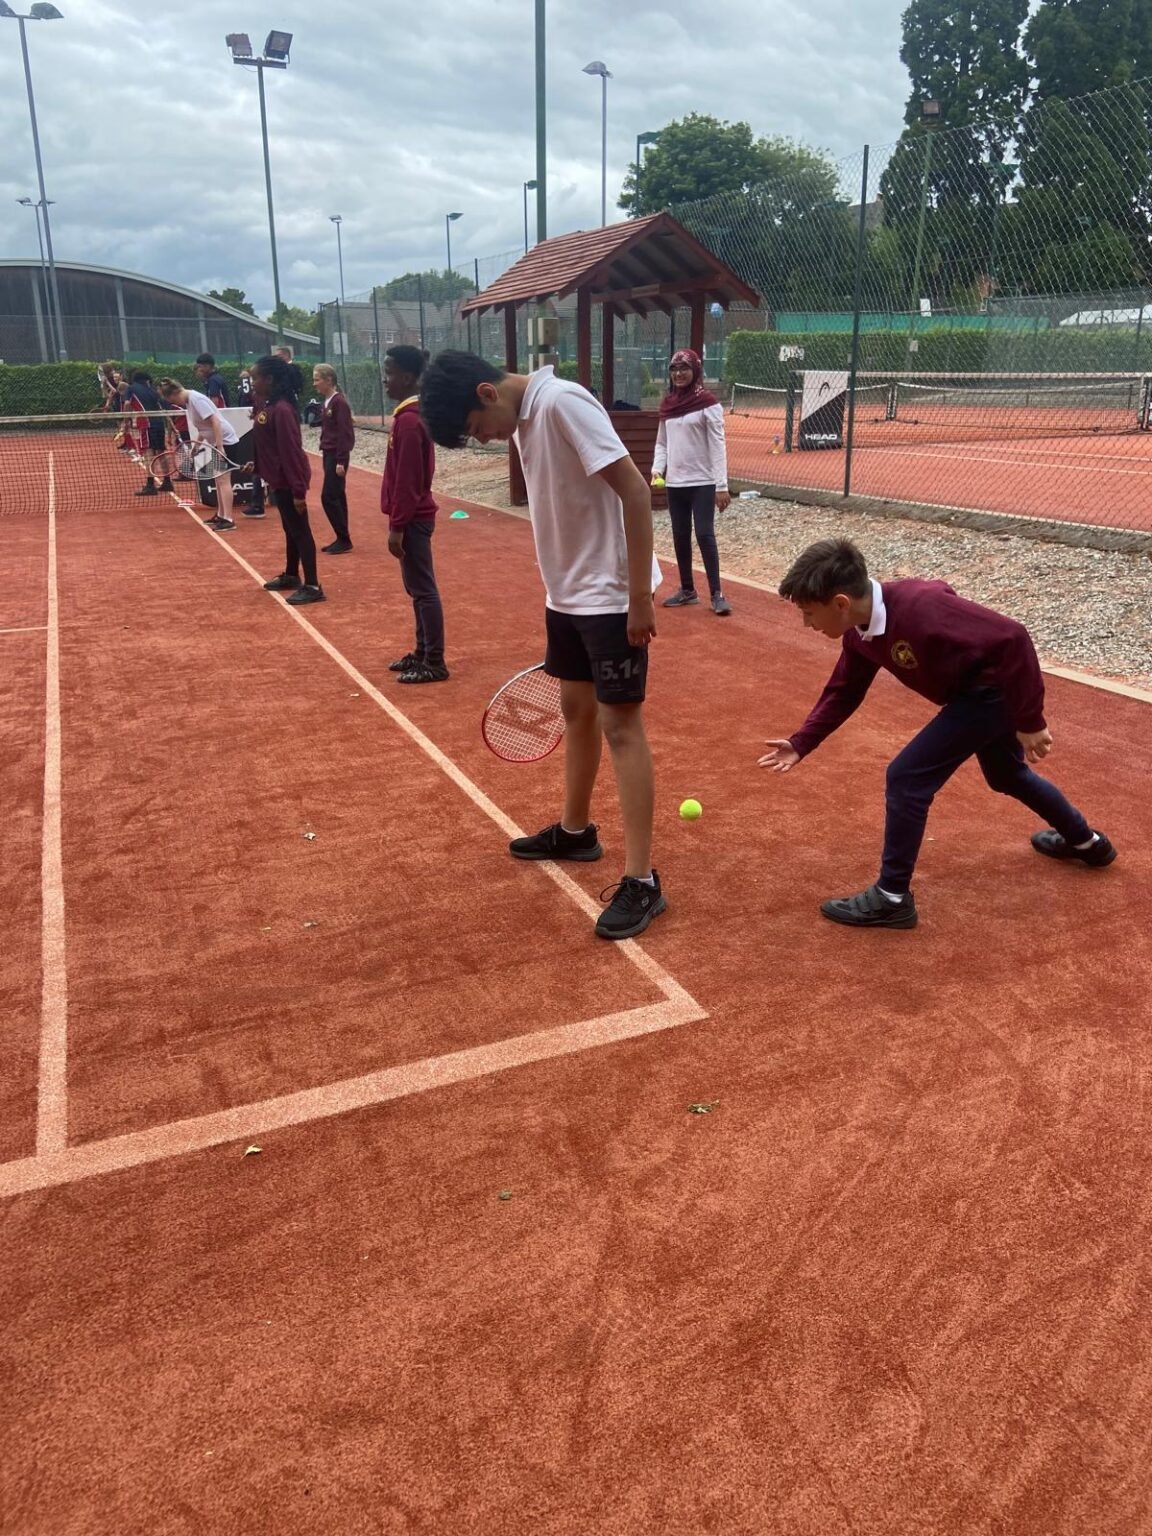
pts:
[419, 578]
[975, 725]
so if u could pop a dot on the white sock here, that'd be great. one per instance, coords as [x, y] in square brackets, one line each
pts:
[648, 879]
[569, 832]
[889, 895]
[1080, 847]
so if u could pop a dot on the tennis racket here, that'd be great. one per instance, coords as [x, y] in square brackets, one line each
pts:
[524, 722]
[201, 461]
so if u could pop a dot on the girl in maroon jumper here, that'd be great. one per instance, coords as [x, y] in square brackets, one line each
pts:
[283, 466]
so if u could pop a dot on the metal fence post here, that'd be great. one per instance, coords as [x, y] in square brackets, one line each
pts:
[420, 301]
[379, 353]
[854, 356]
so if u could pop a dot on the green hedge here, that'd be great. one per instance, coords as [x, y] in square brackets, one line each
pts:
[753, 357]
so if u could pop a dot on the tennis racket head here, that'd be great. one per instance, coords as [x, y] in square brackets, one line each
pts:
[200, 461]
[164, 465]
[524, 721]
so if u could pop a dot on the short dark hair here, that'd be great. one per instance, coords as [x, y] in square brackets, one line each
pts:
[206, 357]
[448, 394]
[824, 570]
[409, 360]
[141, 376]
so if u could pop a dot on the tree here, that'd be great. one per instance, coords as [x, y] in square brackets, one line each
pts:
[291, 317]
[700, 157]
[233, 296]
[1078, 46]
[433, 287]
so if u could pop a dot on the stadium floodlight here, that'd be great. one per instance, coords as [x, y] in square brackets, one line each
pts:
[449, 220]
[275, 57]
[41, 11]
[26, 202]
[597, 67]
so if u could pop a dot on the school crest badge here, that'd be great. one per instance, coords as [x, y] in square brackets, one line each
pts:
[262, 418]
[904, 656]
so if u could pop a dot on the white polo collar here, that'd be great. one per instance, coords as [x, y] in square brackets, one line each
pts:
[878, 623]
[535, 384]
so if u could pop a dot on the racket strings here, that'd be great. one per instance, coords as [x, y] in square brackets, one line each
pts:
[524, 721]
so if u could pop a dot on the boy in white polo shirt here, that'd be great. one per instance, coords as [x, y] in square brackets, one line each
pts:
[592, 521]
[207, 425]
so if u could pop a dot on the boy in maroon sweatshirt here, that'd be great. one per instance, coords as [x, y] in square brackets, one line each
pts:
[407, 502]
[283, 466]
[337, 439]
[979, 665]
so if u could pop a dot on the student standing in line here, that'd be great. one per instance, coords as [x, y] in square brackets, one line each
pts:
[337, 439]
[283, 466]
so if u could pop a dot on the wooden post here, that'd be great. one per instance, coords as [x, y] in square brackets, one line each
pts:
[584, 337]
[510, 362]
[697, 342]
[608, 357]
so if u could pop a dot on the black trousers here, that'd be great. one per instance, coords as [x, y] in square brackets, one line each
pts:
[972, 725]
[688, 505]
[334, 498]
[420, 584]
[299, 545]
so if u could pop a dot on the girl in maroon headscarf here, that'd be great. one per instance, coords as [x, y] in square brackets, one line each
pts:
[690, 458]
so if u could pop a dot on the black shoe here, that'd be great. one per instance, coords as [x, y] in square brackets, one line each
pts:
[1053, 846]
[554, 843]
[721, 605]
[871, 909]
[681, 599]
[148, 490]
[406, 662]
[282, 583]
[337, 547]
[307, 595]
[221, 524]
[166, 484]
[425, 672]
[633, 906]
[252, 511]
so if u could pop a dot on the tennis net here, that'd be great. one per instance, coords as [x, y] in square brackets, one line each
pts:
[891, 409]
[79, 463]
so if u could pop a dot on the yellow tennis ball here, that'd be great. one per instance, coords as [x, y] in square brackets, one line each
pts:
[658, 482]
[691, 810]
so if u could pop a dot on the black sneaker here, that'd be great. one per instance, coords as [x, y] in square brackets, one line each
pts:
[337, 547]
[871, 909]
[252, 511]
[681, 599]
[633, 906]
[221, 524]
[148, 490]
[406, 662]
[721, 605]
[425, 672]
[554, 843]
[166, 484]
[305, 595]
[1053, 846]
[282, 583]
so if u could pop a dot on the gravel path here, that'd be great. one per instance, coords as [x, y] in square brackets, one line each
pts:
[1088, 609]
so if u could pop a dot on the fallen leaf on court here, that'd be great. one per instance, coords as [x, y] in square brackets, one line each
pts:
[252, 1150]
[353, 695]
[705, 1107]
[266, 930]
[505, 1194]
[311, 924]
[310, 837]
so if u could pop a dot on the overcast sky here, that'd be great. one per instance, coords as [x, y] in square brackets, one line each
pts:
[393, 115]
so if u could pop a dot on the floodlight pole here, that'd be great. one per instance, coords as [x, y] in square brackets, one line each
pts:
[337, 219]
[61, 350]
[541, 124]
[279, 314]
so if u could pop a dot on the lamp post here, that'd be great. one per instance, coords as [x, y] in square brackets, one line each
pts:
[26, 202]
[598, 68]
[449, 220]
[277, 46]
[641, 140]
[930, 116]
[41, 11]
[529, 186]
[338, 219]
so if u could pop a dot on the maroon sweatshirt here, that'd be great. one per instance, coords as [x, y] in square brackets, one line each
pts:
[337, 434]
[409, 464]
[939, 645]
[281, 461]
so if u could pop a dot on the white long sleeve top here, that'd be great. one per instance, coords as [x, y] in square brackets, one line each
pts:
[690, 449]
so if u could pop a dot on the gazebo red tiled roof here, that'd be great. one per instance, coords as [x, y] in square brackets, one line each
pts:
[638, 266]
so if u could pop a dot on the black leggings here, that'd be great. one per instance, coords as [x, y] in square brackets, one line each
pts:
[299, 545]
[688, 504]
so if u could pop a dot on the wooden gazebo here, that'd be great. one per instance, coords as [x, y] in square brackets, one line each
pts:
[632, 268]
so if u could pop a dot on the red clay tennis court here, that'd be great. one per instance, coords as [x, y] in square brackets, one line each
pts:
[756, 1225]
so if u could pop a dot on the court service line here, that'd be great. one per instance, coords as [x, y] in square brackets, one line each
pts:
[65, 1165]
[1096, 467]
[25, 629]
[52, 1088]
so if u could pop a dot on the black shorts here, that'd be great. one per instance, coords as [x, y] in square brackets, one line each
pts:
[594, 648]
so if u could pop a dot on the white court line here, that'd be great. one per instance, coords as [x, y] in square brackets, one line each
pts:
[52, 1091]
[56, 1163]
[1096, 467]
[25, 629]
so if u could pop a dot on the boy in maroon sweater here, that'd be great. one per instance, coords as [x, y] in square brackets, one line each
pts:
[407, 502]
[337, 439]
[283, 466]
[979, 665]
